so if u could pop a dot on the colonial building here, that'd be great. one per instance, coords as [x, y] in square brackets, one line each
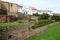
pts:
[10, 8]
[32, 10]
[45, 11]
[7, 10]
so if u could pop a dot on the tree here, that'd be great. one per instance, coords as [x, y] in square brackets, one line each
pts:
[36, 14]
[20, 17]
[44, 16]
[55, 17]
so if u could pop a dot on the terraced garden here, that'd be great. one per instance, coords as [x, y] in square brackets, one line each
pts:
[52, 33]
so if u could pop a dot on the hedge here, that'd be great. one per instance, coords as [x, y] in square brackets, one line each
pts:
[42, 24]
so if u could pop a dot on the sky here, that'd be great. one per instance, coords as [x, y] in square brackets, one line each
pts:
[53, 5]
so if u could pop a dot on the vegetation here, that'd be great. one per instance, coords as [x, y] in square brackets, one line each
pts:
[56, 18]
[44, 16]
[42, 23]
[52, 33]
[14, 23]
[12, 18]
[36, 14]
[20, 17]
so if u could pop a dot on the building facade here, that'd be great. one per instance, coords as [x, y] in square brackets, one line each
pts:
[10, 8]
[7, 10]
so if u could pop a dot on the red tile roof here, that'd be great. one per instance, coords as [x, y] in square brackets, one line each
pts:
[33, 8]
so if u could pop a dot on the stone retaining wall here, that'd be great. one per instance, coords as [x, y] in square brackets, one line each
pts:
[37, 30]
[20, 32]
[13, 32]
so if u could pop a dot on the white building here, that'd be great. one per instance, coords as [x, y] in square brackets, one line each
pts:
[45, 11]
[35, 10]
[30, 10]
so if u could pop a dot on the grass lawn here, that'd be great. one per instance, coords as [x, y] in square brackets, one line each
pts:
[13, 23]
[52, 33]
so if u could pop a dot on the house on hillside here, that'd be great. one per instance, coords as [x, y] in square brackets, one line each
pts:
[44, 11]
[8, 10]
[35, 10]
[57, 14]
[32, 10]
[29, 10]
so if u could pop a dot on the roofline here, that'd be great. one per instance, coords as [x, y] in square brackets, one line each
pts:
[44, 10]
[19, 5]
[9, 2]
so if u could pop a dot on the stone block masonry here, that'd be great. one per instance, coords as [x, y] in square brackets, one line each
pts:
[4, 18]
[20, 32]
[14, 32]
[40, 29]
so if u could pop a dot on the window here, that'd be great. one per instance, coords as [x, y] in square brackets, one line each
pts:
[11, 5]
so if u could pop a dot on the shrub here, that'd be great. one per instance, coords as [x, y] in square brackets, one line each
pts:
[40, 24]
[44, 16]
[20, 17]
[12, 18]
[36, 14]
[55, 17]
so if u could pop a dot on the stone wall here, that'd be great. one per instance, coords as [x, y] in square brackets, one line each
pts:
[20, 32]
[14, 32]
[13, 9]
[4, 5]
[40, 29]
[4, 18]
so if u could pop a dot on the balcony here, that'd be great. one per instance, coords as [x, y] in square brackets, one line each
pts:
[3, 12]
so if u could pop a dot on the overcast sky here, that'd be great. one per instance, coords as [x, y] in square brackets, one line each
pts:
[40, 4]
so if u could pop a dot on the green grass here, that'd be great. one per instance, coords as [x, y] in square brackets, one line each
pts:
[52, 33]
[13, 23]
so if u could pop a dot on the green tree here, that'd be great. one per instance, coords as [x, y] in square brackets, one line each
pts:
[55, 17]
[36, 14]
[44, 16]
[20, 17]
